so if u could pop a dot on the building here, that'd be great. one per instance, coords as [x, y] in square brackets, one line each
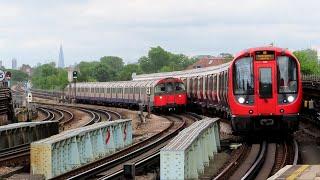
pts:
[317, 49]
[61, 58]
[207, 61]
[14, 63]
[26, 69]
[1, 65]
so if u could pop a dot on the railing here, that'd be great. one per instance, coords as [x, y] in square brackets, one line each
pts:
[73, 148]
[186, 156]
[310, 77]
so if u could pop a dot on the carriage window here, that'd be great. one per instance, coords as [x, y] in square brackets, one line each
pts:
[160, 88]
[287, 75]
[243, 76]
[169, 87]
[215, 83]
[180, 87]
[210, 84]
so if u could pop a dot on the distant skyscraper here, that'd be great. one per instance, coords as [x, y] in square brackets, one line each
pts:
[14, 63]
[1, 64]
[61, 58]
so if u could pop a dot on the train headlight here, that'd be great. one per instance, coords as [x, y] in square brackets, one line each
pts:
[290, 99]
[241, 100]
[160, 97]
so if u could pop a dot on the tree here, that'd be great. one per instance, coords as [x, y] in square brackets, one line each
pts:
[116, 63]
[159, 60]
[126, 72]
[49, 77]
[308, 60]
[86, 71]
[102, 72]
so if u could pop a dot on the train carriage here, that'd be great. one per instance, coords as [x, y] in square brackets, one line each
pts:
[159, 94]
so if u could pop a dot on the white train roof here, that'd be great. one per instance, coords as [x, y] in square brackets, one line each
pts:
[184, 73]
[138, 83]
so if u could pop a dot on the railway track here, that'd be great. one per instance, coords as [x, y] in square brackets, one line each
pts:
[140, 152]
[259, 161]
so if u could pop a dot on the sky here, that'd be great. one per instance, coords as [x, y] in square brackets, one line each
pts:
[31, 31]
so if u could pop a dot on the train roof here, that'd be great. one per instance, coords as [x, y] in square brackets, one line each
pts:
[149, 82]
[264, 48]
[184, 73]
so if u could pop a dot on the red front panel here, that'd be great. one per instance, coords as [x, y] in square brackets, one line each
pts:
[265, 77]
[170, 98]
[160, 101]
[264, 106]
[181, 99]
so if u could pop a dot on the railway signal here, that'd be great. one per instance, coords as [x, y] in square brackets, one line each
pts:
[75, 74]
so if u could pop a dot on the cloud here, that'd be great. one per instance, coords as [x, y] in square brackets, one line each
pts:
[33, 30]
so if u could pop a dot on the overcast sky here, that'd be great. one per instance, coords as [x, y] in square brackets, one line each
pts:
[32, 31]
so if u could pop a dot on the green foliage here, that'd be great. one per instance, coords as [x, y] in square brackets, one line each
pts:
[159, 60]
[126, 72]
[308, 60]
[111, 68]
[102, 72]
[48, 77]
[87, 70]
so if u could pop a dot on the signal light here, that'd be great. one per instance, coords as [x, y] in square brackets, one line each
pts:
[75, 74]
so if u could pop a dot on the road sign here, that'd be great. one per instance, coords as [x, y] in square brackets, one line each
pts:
[2, 75]
[29, 97]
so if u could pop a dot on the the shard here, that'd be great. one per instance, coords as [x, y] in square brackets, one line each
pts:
[61, 58]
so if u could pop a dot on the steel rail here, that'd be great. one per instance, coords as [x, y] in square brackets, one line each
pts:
[250, 174]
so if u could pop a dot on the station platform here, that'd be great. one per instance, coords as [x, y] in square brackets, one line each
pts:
[298, 172]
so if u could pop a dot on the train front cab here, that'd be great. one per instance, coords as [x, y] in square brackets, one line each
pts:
[169, 93]
[266, 91]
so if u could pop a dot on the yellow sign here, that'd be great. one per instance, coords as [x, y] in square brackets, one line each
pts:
[264, 55]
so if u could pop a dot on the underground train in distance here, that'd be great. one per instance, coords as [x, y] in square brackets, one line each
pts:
[260, 89]
[163, 94]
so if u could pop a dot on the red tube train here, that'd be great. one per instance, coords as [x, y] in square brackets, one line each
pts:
[162, 94]
[260, 89]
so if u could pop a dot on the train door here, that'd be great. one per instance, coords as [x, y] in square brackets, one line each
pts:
[266, 97]
[170, 91]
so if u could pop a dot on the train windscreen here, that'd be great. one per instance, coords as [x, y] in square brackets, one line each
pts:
[180, 87]
[243, 77]
[169, 87]
[160, 88]
[287, 75]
